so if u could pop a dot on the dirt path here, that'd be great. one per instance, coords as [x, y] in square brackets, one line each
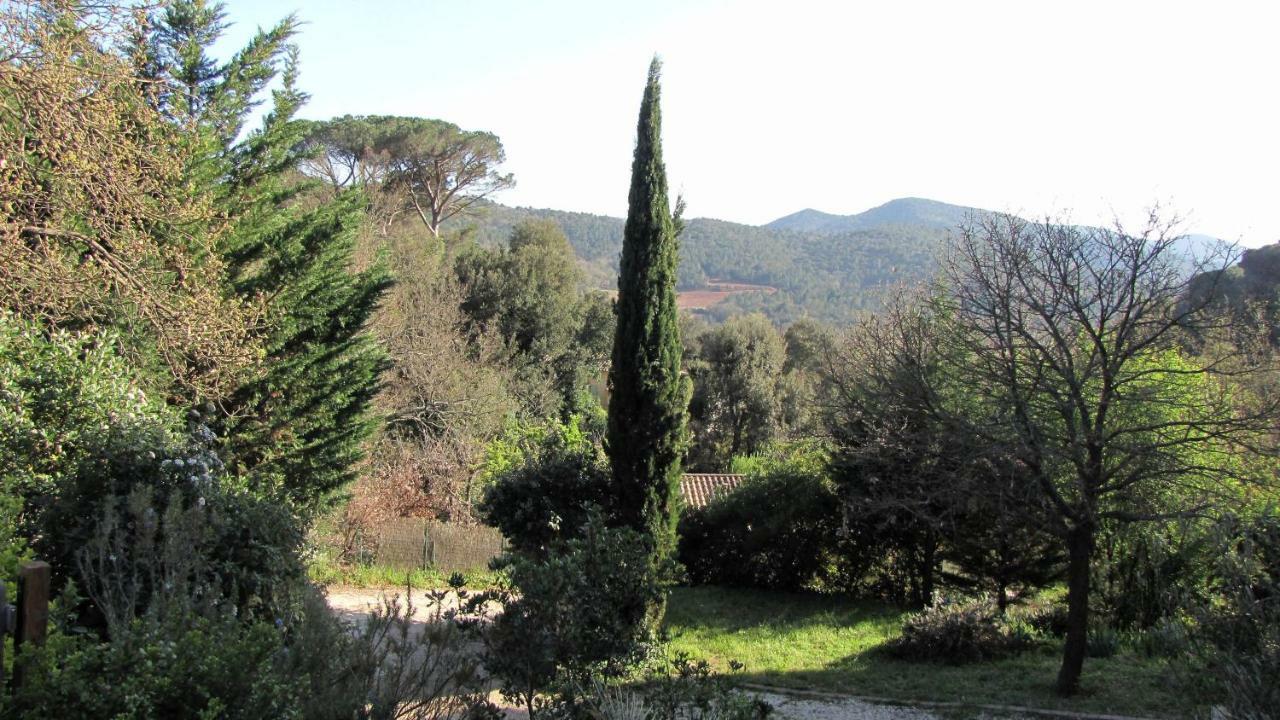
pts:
[355, 604]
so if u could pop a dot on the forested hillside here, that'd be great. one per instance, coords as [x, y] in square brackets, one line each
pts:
[826, 275]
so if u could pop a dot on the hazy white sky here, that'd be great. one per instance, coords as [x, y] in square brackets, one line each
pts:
[1093, 108]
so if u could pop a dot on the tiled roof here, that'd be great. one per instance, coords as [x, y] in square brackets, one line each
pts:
[698, 489]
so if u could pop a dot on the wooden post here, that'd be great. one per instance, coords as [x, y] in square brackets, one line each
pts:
[33, 609]
[4, 630]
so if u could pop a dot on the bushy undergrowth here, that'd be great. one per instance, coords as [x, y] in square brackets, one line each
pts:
[75, 427]
[1049, 620]
[958, 633]
[193, 666]
[184, 593]
[670, 688]
[780, 530]
[542, 480]
[1169, 638]
[400, 663]
[1237, 637]
[1102, 641]
[1144, 574]
[578, 611]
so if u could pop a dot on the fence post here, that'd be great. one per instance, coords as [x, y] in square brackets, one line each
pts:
[4, 630]
[33, 609]
[431, 546]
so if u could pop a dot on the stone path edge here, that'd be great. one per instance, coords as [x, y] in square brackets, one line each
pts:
[935, 703]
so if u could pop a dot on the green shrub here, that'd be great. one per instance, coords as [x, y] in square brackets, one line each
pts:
[544, 479]
[223, 546]
[1048, 620]
[75, 426]
[1145, 573]
[678, 688]
[958, 633]
[780, 530]
[177, 667]
[1168, 638]
[580, 610]
[1102, 641]
[668, 688]
[420, 660]
[1236, 641]
[193, 656]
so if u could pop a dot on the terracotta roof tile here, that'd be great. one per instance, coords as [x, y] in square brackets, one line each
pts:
[698, 489]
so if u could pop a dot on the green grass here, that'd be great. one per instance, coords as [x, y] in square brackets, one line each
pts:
[328, 572]
[829, 643]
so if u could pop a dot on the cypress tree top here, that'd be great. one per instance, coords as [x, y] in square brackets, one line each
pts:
[649, 397]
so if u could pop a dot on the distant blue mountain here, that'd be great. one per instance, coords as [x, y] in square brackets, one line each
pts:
[917, 212]
[1197, 246]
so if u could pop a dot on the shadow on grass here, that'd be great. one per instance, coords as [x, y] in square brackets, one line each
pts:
[834, 644]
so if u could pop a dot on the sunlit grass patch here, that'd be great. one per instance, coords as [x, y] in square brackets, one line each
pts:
[833, 644]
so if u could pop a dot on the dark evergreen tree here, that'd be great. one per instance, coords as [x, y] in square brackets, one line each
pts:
[647, 407]
[295, 428]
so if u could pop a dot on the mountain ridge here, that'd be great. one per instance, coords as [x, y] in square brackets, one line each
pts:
[829, 267]
[899, 211]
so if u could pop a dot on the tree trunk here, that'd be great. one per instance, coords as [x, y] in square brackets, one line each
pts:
[926, 572]
[1079, 548]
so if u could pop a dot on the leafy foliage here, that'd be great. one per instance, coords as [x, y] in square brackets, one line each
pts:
[1238, 638]
[188, 667]
[736, 408]
[1148, 574]
[576, 612]
[924, 490]
[779, 530]
[75, 429]
[530, 295]
[398, 663]
[99, 226]
[545, 481]
[673, 687]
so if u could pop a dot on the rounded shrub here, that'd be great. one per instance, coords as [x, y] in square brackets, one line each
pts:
[958, 633]
[780, 530]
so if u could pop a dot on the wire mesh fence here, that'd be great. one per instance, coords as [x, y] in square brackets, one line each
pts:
[419, 543]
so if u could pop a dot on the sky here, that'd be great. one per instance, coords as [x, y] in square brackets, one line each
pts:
[1088, 111]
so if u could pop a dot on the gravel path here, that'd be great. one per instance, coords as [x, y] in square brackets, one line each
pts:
[795, 707]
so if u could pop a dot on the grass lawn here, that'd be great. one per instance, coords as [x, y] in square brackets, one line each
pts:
[325, 571]
[829, 643]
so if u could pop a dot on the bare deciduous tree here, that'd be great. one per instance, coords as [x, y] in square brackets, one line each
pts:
[1074, 333]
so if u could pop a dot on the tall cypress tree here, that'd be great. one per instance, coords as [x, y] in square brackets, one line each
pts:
[649, 397]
